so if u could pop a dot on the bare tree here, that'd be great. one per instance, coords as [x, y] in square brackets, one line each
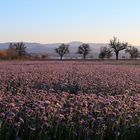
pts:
[62, 50]
[20, 49]
[133, 51]
[117, 46]
[84, 50]
[16, 50]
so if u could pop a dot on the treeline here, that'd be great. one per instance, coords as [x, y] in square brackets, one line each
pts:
[15, 51]
[18, 51]
[105, 52]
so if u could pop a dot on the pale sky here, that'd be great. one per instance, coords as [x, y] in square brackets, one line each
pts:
[51, 21]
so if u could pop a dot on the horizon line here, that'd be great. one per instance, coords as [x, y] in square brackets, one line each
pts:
[49, 43]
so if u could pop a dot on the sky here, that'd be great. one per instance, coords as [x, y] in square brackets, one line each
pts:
[53, 21]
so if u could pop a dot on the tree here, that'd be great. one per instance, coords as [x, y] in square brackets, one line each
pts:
[84, 50]
[108, 53]
[117, 46]
[62, 50]
[20, 49]
[105, 52]
[102, 53]
[16, 50]
[133, 51]
[11, 52]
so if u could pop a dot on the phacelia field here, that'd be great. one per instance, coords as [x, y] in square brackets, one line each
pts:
[69, 101]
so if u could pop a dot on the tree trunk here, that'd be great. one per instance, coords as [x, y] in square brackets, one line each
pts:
[61, 57]
[117, 55]
[84, 57]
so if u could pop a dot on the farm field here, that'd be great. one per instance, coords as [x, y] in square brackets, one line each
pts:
[69, 100]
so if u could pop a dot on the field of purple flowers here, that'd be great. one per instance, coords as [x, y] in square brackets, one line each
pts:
[69, 101]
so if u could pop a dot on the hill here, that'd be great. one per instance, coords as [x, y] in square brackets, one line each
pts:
[37, 48]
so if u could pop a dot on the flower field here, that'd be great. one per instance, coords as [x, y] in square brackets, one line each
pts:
[69, 101]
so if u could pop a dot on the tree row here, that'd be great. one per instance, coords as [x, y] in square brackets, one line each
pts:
[18, 50]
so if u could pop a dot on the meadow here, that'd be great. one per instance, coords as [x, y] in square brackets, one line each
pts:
[69, 100]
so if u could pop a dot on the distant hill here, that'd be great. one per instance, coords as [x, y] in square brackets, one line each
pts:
[37, 48]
